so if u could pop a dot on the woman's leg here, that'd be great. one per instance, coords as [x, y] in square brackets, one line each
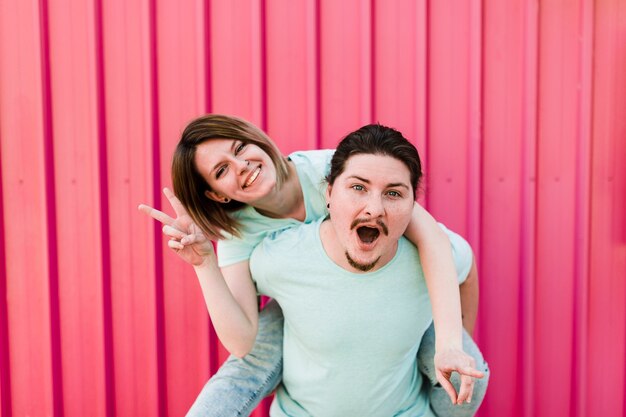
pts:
[439, 400]
[240, 384]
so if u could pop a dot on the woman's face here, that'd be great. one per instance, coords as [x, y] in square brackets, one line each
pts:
[235, 170]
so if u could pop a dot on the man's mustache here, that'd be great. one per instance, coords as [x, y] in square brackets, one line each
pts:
[379, 222]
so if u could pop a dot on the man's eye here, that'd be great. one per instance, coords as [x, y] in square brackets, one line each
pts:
[240, 148]
[220, 171]
[358, 187]
[394, 194]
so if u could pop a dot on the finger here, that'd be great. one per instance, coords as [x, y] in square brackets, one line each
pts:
[178, 207]
[191, 239]
[173, 232]
[470, 371]
[156, 214]
[447, 386]
[467, 386]
[176, 245]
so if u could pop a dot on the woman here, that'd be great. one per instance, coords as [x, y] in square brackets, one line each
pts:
[234, 184]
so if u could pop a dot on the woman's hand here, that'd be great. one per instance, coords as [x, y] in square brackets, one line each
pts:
[185, 237]
[455, 360]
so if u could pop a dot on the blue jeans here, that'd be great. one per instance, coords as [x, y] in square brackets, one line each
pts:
[240, 384]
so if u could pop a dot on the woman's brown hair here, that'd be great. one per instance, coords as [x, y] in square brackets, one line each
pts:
[189, 186]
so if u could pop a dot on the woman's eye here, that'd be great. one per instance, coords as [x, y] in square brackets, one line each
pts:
[358, 187]
[240, 148]
[393, 193]
[220, 171]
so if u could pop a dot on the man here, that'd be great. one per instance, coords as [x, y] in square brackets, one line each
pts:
[352, 291]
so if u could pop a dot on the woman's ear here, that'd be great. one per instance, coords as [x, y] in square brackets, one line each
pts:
[212, 195]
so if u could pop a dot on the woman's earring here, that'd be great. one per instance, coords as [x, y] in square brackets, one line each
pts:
[327, 205]
[226, 200]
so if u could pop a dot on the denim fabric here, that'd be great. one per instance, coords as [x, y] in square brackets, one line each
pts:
[240, 384]
[439, 401]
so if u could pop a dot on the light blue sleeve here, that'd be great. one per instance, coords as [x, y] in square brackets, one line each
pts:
[461, 253]
[233, 250]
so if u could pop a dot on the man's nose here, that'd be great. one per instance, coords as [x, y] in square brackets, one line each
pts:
[374, 207]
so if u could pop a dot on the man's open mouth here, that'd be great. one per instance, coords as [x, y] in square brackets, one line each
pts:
[367, 234]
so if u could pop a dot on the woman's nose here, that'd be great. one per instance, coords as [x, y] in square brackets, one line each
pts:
[242, 164]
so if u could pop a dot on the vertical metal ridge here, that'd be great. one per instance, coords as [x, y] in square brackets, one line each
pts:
[420, 91]
[156, 195]
[263, 56]
[372, 23]
[5, 363]
[52, 238]
[208, 73]
[477, 203]
[318, 75]
[105, 232]
[528, 225]
[475, 166]
[426, 86]
[582, 233]
[213, 340]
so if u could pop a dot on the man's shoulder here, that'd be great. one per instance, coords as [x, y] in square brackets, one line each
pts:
[281, 252]
[291, 239]
[407, 256]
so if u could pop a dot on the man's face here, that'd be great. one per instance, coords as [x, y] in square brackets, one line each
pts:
[371, 204]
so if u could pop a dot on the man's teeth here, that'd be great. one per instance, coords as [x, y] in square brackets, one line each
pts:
[252, 177]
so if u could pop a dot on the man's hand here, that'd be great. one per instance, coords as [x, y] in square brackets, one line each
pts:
[455, 360]
[185, 237]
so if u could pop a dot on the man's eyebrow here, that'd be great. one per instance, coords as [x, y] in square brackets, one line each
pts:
[391, 185]
[360, 178]
[397, 184]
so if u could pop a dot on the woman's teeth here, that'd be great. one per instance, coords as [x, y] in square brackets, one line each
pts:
[252, 177]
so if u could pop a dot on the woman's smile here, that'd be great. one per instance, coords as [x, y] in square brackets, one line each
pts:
[252, 177]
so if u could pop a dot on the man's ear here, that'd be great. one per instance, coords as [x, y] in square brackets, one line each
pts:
[215, 196]
[328, 191]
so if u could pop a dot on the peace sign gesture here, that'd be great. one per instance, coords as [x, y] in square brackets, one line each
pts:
[186, 238]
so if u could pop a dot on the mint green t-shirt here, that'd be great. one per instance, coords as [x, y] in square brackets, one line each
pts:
[312, 168]
[350, 340]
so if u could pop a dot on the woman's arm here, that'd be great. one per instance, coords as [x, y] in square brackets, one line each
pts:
[441, 279]
[231, 300]
[230, 295]
[469, 299]
[440, 275]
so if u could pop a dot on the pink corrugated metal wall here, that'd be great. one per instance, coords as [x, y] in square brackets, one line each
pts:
[518, 109]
